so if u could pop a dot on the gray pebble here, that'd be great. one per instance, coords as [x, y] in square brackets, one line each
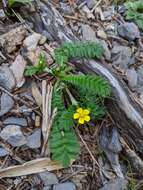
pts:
[140, 77]
[6, 104]
[3, 152]
[89, 35]
[2, 14]
[34, 140]
[129, 31]
[109, 13]
[132, 77]
[48, 178]
[66, 9]
[13, 135]
[47, 188]
[91, 3]
[121, 56]
[117, 183]
[7, 79]
[15, 121]
[65, 186]
[107, 53]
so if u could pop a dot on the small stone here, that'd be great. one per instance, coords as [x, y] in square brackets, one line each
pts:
[109, 13]
[6, 104]
[101, 34]
[89, 35]
[18, 68]
[121, 56]
[32, 41]
[129, 31]
[25, 110]
[13, 135]
[140, 75]
[7, 79]
[42, 40]
[114, 144]
[132, 77]
[47, 188]
[111, 29]
[65, 186]
[34, 140]
[107, 53]
[87, 12]
[3, 152]
[68, 10]
[13, 39]
[2, 14]
[15, 121]
[48, 178]
[117, 183]
[91, 3]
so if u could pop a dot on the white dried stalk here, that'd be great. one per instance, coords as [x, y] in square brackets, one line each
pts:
[31, 167]
[44, 84]
[48, 116]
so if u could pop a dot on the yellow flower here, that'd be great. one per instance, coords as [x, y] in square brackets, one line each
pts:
[82, 115]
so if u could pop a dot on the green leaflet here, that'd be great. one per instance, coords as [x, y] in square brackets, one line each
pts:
[63, 142]
[87, 50]
[12, 2]
[37, 68]
[92, 83]
[135, 12]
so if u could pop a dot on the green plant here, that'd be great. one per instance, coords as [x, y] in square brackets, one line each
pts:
[12, 2]
[64, 145]
[135, 12]
[131, 185]
[78, 98]
[87, 50]
[90, 83]
[37, 68]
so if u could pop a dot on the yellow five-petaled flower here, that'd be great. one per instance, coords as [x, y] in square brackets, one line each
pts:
[82, 115]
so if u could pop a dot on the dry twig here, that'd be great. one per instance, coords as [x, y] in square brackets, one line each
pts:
[48, 115]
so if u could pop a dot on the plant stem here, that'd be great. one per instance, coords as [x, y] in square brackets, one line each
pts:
[73, 100]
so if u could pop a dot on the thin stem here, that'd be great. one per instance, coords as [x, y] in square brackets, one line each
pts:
[73, 100]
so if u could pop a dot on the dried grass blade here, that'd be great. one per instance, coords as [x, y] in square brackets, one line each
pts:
[31, 167]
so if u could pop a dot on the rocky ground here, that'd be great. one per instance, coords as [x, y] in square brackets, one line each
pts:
[20, 97]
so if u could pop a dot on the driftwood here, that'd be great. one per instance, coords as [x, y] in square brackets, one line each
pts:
[125, 111]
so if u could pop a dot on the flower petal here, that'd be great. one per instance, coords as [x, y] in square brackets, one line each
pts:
[79, 110]
[81, 120]
[87, 118]
[76, 116]
[86, 111]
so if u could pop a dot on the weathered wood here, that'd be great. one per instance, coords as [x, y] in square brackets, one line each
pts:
[126, 112]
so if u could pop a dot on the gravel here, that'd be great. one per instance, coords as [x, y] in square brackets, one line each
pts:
[48, 178]
[13, 135]
[129, 31]
[7, 79]
[15, 121]
[34, 140]
[132, 77]
[121, 56]
[65, 186]
[117, 183]
[6, 104]
[3, 152]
